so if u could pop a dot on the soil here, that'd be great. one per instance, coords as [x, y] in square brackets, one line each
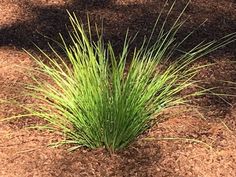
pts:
[187, 141]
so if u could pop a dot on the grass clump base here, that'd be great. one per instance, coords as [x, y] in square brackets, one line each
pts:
[99, 100]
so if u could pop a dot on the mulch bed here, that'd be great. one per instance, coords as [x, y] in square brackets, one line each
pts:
[173, 149]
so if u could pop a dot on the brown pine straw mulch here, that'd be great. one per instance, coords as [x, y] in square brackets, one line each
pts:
[24, 152]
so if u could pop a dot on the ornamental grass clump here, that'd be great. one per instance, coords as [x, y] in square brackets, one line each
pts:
[101, 100]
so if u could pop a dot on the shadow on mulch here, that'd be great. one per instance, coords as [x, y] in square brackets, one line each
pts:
[137, 159]
[51, 20]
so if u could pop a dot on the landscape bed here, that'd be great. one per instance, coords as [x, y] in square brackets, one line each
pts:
[174, 152]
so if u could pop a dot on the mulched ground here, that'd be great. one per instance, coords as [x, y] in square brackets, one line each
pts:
[24, 152]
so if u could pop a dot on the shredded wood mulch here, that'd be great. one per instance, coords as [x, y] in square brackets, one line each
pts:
[187, 141]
